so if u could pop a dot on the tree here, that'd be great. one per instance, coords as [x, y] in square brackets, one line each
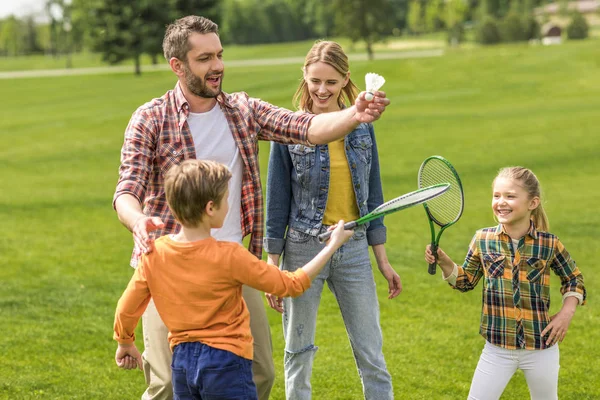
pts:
[59, 12]
[10, 39]
[578, 28]
[123, 29]
[367, 20]
[415, 17]
[433, 15]
[454, 16]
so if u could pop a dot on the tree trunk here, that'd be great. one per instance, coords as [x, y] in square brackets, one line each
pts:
[369, 49]
[154, 59]
[138, 70]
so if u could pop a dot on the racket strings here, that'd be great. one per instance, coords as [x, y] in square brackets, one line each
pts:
[448, 207]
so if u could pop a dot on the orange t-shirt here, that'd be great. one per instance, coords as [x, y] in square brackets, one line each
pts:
[197, 290]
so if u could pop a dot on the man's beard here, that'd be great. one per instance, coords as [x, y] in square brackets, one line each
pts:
[197, 86]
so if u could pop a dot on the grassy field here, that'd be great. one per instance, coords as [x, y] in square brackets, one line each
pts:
[64, 255]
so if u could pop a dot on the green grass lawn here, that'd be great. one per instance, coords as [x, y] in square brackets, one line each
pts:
[64, 255]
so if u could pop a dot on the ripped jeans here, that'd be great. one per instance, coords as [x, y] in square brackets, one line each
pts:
[349, 276]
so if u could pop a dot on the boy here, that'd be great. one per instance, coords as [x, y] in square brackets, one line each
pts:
[196, 283]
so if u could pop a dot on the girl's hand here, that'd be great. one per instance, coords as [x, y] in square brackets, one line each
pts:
[394, 282]
[559, 322]
[442, 258]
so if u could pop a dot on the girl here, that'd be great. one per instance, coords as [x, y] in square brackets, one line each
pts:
[515, 259]
[308, 189]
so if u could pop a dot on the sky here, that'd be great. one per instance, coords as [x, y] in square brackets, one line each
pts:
[21, 7]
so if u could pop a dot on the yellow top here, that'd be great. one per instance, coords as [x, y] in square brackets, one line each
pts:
[341, 200]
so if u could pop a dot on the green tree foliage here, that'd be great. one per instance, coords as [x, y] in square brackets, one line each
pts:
[123, 29]
[259, 21]
[511, 29]
[117, 30]
[158, 17]
[11, 39]
[487, 31]
[434, 11]
[531, 28]
[400, 15]
[318, 16]
[454, 15]
[415, 21]
[366, 20]
[578, 28]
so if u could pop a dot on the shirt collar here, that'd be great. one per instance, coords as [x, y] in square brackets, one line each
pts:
[531, 232]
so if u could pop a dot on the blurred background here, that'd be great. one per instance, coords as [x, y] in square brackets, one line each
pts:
[65, 31]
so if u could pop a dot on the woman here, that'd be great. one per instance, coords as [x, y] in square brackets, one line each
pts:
[309, 189]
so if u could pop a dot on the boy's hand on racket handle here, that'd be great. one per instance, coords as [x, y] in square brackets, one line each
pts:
[443, 260]
[339, 235]
[128, 357]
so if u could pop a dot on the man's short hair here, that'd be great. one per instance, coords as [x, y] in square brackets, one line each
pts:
[176, 44]
[190, 185]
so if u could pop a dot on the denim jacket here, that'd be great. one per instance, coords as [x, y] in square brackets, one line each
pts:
[298, 185]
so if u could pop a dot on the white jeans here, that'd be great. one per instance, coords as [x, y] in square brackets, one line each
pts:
[497, 365]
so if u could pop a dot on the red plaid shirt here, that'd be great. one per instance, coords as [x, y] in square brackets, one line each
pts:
[158, 137]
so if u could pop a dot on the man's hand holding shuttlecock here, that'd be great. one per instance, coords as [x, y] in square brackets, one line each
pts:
[372, 103]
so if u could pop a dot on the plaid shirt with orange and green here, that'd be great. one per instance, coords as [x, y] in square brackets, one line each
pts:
[159, 137]
[516, 289]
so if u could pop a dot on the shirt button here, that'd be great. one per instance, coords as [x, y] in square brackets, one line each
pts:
[174, 152]
[358, 185]
[347, 147]
[353, 165]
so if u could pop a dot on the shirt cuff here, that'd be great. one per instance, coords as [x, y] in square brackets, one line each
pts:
[273, 245]
[579, 296]
[377, 236]
[451, 279]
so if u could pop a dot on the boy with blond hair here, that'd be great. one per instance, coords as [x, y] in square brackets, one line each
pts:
[196, 284]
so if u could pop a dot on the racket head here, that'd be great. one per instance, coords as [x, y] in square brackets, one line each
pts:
[406, 200]
[446, 209]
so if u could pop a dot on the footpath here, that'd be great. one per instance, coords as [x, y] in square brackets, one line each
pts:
[122, 69]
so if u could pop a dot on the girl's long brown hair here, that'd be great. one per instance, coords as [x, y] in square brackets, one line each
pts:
[332, 54]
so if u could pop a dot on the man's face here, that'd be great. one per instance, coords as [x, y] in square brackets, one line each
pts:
[203, 70]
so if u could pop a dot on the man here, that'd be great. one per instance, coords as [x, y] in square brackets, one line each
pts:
[197, 120]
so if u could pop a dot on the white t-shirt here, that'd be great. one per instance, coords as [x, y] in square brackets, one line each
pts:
[214, 141]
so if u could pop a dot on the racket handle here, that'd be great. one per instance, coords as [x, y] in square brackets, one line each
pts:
[323, 237]
[433, 266]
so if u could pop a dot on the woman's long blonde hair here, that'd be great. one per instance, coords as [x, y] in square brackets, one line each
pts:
[330, 53]
[530, 182]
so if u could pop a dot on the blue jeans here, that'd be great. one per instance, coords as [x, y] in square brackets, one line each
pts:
[350, 278]
[203, 372]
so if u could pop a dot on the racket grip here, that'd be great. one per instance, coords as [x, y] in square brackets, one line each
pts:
[433, 266]
[323, 237]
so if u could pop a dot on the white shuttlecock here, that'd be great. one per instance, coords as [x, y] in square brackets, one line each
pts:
[374, 82]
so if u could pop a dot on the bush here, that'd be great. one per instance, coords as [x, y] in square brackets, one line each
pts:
[511, 29]
[531, 28]
[578, 28]
[456, 34]
[487, 31]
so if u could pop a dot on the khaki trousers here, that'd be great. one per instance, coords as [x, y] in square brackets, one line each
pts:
[157, 354]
